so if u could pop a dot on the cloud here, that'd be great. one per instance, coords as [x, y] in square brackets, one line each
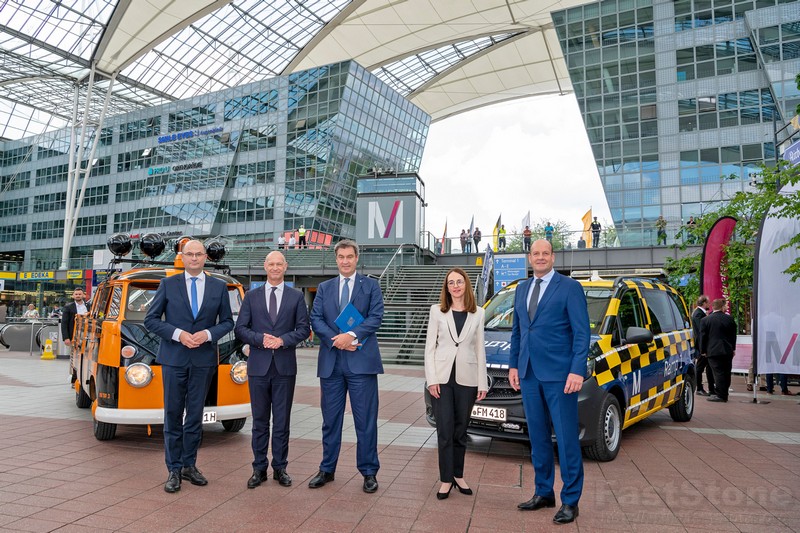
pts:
[530, 154]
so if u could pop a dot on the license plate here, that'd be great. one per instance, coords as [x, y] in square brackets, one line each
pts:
[489, 413]
[209, 417]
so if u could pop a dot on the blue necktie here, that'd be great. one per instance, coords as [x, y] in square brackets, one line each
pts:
[345, 299]
[195, 307]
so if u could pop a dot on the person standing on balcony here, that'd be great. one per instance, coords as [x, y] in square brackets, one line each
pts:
[455, 371]
[301, 236]
[595, 226]
[661, 230]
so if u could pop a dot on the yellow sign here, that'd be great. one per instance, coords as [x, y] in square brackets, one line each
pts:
[37, 275]
[74, 274]
[8, 275]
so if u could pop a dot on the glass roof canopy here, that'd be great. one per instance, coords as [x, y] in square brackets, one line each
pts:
[192, 47]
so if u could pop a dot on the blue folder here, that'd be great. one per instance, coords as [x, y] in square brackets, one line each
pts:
[349, 318]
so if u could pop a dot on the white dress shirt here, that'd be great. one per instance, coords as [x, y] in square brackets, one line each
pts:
[278, 295]
[201, 291]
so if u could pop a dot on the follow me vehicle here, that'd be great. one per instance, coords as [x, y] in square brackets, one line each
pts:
[639, 362]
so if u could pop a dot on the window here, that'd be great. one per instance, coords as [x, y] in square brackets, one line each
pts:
[629, 314]
[663, 311]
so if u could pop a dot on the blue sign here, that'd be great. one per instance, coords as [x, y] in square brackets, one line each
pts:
[792, 154]
[509, 268]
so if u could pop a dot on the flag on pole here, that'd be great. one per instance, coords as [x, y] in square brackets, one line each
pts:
[471, 226]
[587, 223]
[496, 232]
[526, 220]
[444, 238]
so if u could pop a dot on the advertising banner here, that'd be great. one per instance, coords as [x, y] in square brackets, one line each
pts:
[712, 282]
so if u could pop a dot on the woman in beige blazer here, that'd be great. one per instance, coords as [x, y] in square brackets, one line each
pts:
[455, 369]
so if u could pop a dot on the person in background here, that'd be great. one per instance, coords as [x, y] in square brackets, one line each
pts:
[718, 343]
[281, 242]
[292, 241]
[455, 372]
[581, 243]
[701, 361]
[526, 239]
[272, 323]
[661, 230]
[463, 240]
[691, 226]
[548, 232]
[301, 236]
[78, 306]
[595, 227]
[31, 313]
[501, 238]
[476, 238]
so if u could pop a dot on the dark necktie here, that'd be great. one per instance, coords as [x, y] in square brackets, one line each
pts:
[345, 299]
[534, 303]
[273, 305]
[195, 306]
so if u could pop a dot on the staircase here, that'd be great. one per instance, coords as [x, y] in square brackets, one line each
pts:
[408, 294]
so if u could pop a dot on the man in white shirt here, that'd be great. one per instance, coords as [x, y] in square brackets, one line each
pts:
[78, 306]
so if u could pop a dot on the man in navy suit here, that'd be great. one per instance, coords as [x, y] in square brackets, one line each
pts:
[549, 348]
[190, 312]
[349, 362]
[272, 321]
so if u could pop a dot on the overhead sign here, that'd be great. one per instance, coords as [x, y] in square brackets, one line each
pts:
[37, 275]
[182, 135]
[792, 153]
[8, 275]
[509, 268]
[74, 274]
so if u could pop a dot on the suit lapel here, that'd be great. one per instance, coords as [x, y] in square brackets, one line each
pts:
[551, 287]
[465, 329]
[260, 303]
[184, 291]
[357, 279]
[522, 304]
[284, 304]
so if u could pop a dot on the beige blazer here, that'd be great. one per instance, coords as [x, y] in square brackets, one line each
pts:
[441, 350]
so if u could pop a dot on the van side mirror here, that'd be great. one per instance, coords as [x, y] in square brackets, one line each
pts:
[634, 335]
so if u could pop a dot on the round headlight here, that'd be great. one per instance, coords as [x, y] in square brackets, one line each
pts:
[138, 375]
[128, 351]
[239, 372]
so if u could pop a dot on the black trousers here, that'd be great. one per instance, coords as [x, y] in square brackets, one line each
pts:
[721, 365]
[452, 411]
[701, 367]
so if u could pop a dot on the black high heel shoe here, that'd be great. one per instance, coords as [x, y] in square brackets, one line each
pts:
[462, 490]
[444, 495]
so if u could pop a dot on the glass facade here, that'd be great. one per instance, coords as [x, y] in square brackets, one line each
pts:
[680, 99]
[247, 163]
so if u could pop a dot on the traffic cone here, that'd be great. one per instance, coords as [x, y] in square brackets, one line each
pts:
[47, 351]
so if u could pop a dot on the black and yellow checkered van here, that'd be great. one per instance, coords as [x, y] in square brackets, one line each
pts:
[639, 361]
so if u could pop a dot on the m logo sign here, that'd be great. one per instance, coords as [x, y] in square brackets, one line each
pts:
[376, 222]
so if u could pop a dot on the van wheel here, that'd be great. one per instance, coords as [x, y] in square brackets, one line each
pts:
[234, 425]
[104, 430]
[683, 409]
[82, 399]
[606, 443]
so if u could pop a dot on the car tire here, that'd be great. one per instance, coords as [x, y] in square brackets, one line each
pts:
[607, 441]
[104, 430]
[683, 409]
[82, 400]
[234, 425]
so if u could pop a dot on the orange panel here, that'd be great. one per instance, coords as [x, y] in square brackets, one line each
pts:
[228, 392]
[108, 353]
[149, 397]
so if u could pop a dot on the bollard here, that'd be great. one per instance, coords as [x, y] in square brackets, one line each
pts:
[47, 351]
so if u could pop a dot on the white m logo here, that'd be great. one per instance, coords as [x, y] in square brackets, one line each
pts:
[376, 221]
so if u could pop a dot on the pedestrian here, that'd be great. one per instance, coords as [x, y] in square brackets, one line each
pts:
[526, 239]
[476, 237]
[348, 365]
[548, 232]
[292, 241]
[661, 230]
[595, 227]
[301, 236]
[718, 343]
[703, 307]
[281, 242]
[78, 306]
[188, 356]
[463, 240]
[549, 336]
[272, 324]
[455, 372]
[501, 238]
[691, 227]
[469, 242]
[581, 243]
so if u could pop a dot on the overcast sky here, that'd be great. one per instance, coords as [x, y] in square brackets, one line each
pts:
[530, 154]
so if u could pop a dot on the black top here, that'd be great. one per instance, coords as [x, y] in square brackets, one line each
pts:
[459, 317]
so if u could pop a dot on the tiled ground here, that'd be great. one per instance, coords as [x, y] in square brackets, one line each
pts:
[734, 467]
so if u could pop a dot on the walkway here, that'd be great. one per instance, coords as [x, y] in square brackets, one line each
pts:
[734, 467]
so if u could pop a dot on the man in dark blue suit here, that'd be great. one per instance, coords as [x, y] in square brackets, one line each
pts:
[549, 348]
[190, 312]
[273, 320]
[349, 362]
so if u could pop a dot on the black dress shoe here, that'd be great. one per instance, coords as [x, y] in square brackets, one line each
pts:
[444, 495]
[258, 477]
[282, 477]
[462, 490]
[701, 392]
[567, 514]
[715, 399]
[370, 484]
[320, 479]
[173, 483]
[537, 502]
[193, 475]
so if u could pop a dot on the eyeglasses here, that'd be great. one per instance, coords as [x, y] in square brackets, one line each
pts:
[193, 255]
[455, 282]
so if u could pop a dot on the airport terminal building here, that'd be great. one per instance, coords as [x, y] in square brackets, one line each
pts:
[248, 163]
[676, 94]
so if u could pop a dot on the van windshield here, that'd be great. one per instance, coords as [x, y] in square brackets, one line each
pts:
[500, 309]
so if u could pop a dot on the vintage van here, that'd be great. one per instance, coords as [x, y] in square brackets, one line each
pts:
[113, 364]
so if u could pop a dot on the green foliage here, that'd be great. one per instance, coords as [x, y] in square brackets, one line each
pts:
[561, 232]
